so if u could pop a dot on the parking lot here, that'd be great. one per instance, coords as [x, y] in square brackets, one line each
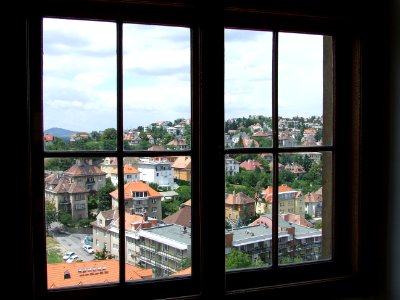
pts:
[73, 242]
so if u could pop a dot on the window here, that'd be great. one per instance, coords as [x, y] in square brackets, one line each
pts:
[204, 145]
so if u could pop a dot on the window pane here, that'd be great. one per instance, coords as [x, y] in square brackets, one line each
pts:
[305, 206]
[248, 105]
[157, 216]
[79, 223]
[248, 211]
[79, 85]
[305, 90]
[157, 85]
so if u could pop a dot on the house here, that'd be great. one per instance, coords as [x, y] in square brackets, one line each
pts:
[290, 201]
[130, 174]
[178, 144]
[251, 165]
[168, 195]
[239, 207]
[109, 164]
[296, 169]
[48, 138]
[231, 166]
[313, 203]
[90, 273]
[156, 171]
[165, 249]
[139, 199]
[183, 168]
[68, 191]
[106, 232]
[182, 217]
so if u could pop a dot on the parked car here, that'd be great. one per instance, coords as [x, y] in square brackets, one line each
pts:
[72, 258]
[69, 255]
[88, 249]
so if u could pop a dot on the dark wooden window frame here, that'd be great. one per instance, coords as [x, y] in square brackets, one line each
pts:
[207, 23]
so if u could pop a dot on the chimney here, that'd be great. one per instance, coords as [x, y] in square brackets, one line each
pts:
[145, 217]
[90, 162]
[78, 162]
[67, 274]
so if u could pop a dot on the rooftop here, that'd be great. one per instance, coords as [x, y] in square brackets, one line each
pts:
[176, 236]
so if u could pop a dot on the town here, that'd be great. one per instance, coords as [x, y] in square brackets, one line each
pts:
[82, 200]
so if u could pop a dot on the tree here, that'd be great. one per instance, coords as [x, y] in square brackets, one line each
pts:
[103, 254]
[109, 134]
[58, 164]
[237, 259]
[184, 193]
[51, 214]
[103, 195]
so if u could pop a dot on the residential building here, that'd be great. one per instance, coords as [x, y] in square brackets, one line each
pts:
[178, 144]
[231, 166]
[69, 190]
[239, 207]
[165, 249]
[168, 195]
[106, 233]
[313, 203]
[296, 169]
[182, 217]
[139, 198]
[48, 138]
[89, 273]
[290, 201]
[108, 165]
[156, 171]
[130, 174]
[183, 168]
[251, 165]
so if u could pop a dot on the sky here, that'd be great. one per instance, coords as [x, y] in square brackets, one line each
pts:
[80, 87]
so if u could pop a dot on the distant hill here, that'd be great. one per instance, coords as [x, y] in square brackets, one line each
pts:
[60, 132]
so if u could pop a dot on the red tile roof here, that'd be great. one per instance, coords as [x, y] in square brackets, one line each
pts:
[84, 169]
[182, 217]
[135, 187]
[251, 165]
[281, 189]
[239, 198]
[91, 272]
[182, 162]
[187, 271]
[128, 169]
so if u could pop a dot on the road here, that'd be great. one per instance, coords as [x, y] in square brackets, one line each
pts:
[73, 242]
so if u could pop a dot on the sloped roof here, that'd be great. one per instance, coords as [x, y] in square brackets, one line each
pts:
[281, 189]
[136, 187]
[182, 217]
[84, 169]
[239, 198]
[128, 169]
[91, 272]
[182, 162]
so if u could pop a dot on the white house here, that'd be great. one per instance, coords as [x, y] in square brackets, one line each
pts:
[130, 174]
[159, 172]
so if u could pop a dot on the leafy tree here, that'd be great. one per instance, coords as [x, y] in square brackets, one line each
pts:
[308, 217]
[110, 134]
[103, 254]
[319, 134]
[51, 214]
[237, 259]
[307, 163]
[318, 224]
[65, 218]
[184, 193]
[95, 135]
[58, 164]
[169, 207]
[103, 195]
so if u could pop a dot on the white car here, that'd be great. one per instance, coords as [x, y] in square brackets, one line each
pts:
[72, 258]
[69, 255]
[88, 249]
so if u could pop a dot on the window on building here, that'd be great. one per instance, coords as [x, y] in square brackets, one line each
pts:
[269, 81]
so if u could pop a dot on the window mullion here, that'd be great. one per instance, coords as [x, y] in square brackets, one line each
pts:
[275, 142]
[120, 147]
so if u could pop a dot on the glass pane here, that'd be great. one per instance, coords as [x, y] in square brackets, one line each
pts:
[248, 105]
[248, 211]
[157, 216]
[305, 206]
[305, 90]
[79, 85]
[78, 223]
[157, 92]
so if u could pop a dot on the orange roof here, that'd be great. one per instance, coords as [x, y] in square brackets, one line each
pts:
[188, 203]
[281, 189]
[136, 219]
[251, 165]
[182, 162]
[128, 169]
[136, 187]
[239, 198]
[187, 271]
[48, 138]
[91, 272]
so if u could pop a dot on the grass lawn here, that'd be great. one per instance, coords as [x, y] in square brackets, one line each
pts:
[54, 255]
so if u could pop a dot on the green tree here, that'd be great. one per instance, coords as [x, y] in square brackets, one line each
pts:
[169, 207]
[65, 218]
[103, 195]
[184, 193]
[58, 164]
[237, 259]
[51, 214]
[110, 134]
[103, 254]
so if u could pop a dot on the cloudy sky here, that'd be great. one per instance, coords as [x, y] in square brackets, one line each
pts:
[80, 74]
